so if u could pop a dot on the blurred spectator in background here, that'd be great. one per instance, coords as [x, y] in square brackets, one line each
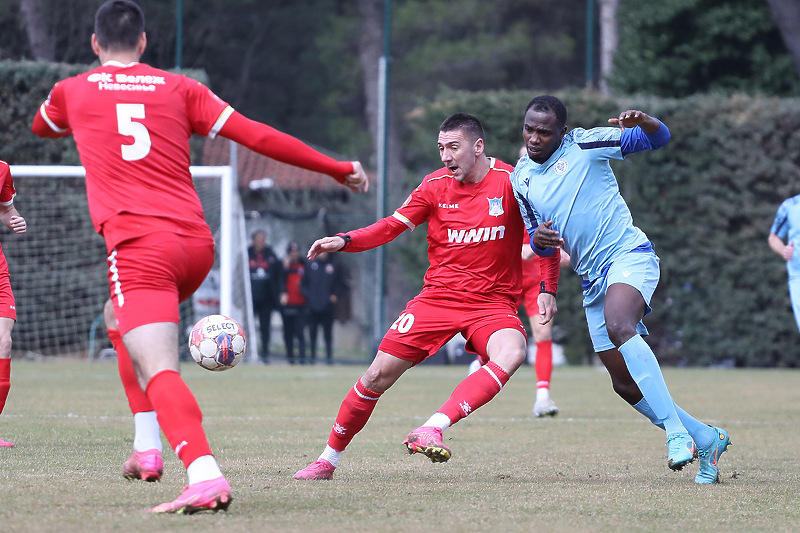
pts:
[265, 284]
[322, 285]
[784, 233]
[293, 304]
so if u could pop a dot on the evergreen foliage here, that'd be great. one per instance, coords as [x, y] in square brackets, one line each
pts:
[676, 48]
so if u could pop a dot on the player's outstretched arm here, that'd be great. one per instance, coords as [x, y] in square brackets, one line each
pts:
[357, 180]
[372, 236]
[12, 219]
[325, 244]
[633, 117]
[282, 147]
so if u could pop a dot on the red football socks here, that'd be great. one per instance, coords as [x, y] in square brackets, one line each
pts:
[137, 400]
[474, 391]
[544, 364]
[178, 415]
[353, 415]
[5, 381]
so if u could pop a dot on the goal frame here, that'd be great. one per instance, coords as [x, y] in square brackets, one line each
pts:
[227, 175]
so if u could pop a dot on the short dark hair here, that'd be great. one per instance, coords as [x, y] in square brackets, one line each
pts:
[118, 25]
[466, 122]
[549, 103]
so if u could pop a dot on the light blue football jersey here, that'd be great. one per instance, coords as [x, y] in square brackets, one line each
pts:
[577, 190]
[787, 227]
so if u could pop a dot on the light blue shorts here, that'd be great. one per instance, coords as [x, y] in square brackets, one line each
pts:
[794, 294]
[637, 268]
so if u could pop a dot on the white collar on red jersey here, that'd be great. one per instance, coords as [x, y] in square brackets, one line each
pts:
[115, 63]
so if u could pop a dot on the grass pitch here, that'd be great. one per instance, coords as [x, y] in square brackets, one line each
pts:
[598, 466]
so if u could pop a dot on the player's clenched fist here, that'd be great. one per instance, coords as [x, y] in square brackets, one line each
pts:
[357, 180]
[325, 244]
[17, 224]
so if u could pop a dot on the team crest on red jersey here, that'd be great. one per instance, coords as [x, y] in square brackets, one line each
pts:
[496, 206]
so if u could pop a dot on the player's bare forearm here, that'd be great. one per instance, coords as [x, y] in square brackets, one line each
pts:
[634, 117]
[325, 245]
[776, 244]
[12, 219]
[544, 237]
[547, 307]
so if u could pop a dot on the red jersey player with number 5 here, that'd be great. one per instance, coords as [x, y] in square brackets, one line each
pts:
[131, 124]
[472, 287]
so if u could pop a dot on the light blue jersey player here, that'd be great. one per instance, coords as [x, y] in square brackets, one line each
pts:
[569, 196]
[783, 235]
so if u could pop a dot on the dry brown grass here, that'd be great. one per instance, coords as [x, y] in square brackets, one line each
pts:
[598, 466]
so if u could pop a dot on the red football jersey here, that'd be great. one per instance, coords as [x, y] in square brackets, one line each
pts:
[7, 194]
[531, 271]
[132, 125]
[7, 191]
[474, 231]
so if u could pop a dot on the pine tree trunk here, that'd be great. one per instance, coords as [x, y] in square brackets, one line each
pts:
[786, 14]
[609, 41]
[39, 36]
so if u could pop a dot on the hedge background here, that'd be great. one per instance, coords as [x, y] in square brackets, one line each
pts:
[706, 200]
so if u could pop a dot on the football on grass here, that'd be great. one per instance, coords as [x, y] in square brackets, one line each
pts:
[217, 342]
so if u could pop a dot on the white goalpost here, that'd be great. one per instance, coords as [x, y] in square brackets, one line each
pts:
[58, 268]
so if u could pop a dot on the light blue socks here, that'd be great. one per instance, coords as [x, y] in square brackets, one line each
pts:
[702, 434]
[644, 369]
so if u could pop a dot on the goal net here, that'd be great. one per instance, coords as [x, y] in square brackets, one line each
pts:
[59, 268]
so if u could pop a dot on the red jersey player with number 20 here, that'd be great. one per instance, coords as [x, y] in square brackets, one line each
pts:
[132, 124]
[472, 287]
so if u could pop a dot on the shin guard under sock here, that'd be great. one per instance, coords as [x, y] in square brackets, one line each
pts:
[353, 415]
[178, 415]
[644, 370]
[543, 364]
[5, 380]
[474, 391]
[137, 400]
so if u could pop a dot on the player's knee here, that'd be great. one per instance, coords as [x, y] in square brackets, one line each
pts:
[518, 355]
[511, 358]
[5, 344]
[619, 332]
[377, 379]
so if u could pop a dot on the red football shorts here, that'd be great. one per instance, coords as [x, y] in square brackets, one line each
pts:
[150, 275]
[8, 307]
[435, 316]
[531, 285]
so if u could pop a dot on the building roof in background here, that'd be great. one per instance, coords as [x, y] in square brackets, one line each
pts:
[256, 171]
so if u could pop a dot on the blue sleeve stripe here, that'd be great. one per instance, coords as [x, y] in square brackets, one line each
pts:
[777, 227]
[599, 144]
[529, 214]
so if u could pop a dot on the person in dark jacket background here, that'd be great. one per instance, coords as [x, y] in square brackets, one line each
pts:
[322, 286]
[265, 281]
